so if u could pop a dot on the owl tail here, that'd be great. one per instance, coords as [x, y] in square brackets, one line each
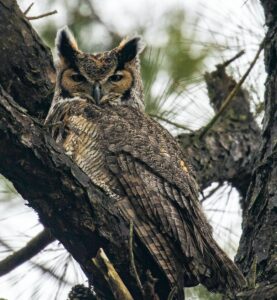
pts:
[217, 272]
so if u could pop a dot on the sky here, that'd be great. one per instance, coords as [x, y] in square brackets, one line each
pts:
[230, 23]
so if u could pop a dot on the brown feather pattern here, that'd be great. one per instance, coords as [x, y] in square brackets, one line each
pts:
[141, 166]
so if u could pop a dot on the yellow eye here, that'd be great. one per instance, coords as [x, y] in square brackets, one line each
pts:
[78, 78]
[115, 77]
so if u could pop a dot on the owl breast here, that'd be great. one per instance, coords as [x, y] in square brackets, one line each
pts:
[82, 145]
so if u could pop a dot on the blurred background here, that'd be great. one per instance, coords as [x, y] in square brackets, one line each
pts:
[184, 39]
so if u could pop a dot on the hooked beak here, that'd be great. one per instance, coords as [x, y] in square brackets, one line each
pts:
[96, 93]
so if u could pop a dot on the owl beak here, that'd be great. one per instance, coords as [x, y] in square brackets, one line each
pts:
[96, 93]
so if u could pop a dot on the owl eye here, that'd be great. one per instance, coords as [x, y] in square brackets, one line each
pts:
[78, 78]
[115, 77]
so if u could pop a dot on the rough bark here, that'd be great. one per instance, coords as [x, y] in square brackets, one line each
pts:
[258, 244]
[27, 72]
[225, 153]
[263, 292]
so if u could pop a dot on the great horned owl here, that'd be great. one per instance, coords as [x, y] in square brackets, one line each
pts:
[97, 115]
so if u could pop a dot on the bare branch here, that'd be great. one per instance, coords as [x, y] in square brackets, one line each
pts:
[229, 61]
[233, 93]
[37, 265]
[43, 15]
[28, 8]
[177, 125]
[29, 74]
[172, 293]
[32, 248]
[132, 259]
[110, 276]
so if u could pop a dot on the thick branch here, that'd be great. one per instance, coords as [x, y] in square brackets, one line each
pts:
[226, 152]
[39, 266]
[27, 70]
[259, 239]
[31, 249]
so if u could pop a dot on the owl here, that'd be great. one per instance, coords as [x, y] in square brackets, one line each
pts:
[97, 115]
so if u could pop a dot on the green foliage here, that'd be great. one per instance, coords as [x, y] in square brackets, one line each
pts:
[177, 61]
[183, 61]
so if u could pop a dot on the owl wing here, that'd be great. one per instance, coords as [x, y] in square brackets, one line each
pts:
[139, 158]
[161, 190]
[148, 163]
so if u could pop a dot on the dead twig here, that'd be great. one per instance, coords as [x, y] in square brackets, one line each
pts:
[132, 258]
[210, 193]
[42, 16]
[28, 8]
[172, 293]
[104, 267]
[232, 94]
[229, 61]
[177, 125]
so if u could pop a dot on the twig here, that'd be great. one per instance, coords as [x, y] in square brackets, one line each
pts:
[210, 193]
[37, 265]
[172, 293]
[252, 275]
[132, 259]
[43, 15]
[28, 8]
[171, 122]
[104, 267]
[229, 61]
[232, 94]
[49, 125]
[32, 248]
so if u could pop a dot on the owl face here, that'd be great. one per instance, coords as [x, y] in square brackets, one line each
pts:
[111, 77]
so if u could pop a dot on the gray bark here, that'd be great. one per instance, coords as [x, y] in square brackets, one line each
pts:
[258, 244]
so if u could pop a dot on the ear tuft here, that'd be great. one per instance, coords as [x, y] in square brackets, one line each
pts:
[129, 48]
[66, 45]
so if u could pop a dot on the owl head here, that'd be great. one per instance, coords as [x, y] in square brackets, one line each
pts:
[111, 77]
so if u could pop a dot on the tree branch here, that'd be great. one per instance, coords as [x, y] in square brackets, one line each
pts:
[258, 241]
[231, 95]
[28, 74]
[37, 265]
[32, 248]
[28, 8]
[42, 15]
[104, 267]
[226, 152]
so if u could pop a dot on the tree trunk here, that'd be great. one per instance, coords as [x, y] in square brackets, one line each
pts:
[258, 245]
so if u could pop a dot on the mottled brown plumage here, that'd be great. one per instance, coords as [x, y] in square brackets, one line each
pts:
[142, 169]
